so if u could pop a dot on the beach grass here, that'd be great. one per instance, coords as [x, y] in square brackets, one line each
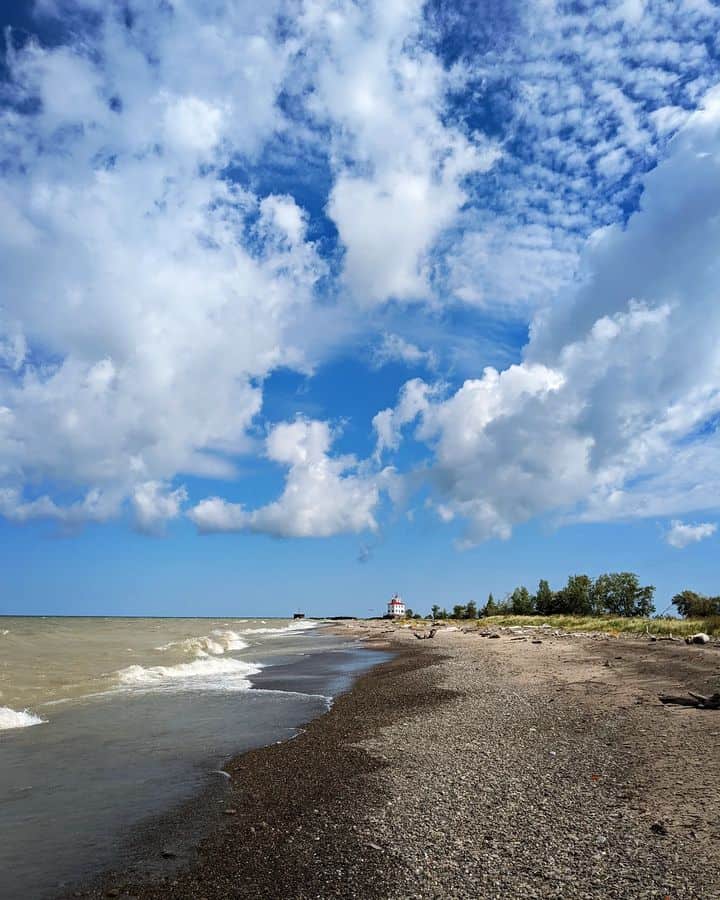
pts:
[660, 626]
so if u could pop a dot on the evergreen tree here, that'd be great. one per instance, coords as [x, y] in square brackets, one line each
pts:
[458, 611]
[471, 610]
[491, 607]
[435, 611]
[544, 599]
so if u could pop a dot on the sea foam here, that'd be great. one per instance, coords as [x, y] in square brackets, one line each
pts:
[216, 643]
[224, 640]
[304, 625]
[202, 674]
[12, 718]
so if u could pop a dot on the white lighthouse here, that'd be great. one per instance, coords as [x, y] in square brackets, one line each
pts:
[396, 607]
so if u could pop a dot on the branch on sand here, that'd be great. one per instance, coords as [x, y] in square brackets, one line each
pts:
[696, 700]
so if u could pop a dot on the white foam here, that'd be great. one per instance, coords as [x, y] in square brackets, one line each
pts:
[216, 643]
[4, 631]
[201, 674]
[11, 718]
[282, 630]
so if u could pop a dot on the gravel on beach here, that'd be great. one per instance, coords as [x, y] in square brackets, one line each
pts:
[472, 768]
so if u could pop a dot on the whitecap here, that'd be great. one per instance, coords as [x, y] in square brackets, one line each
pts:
[201, 674]
[282, 630]
[216, 643]
[12, 718]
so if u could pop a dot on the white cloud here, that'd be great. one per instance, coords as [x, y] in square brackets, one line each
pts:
[510, 268]
[388, 423]
[394, 348]
[144, 296]
[587, 98]
[95, 506]
[154, 504]
[323, 495]
[191, 125]
[399, 167]
[680, 534]
[612, 413]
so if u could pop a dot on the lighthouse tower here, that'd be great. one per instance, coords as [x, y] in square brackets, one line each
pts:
[396, 607]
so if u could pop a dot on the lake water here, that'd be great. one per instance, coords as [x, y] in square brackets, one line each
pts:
[105, 722]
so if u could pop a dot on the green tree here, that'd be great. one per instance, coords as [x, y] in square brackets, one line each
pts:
[521, 603]
[575, 598]
[544, 598]
[621, 594]
[471, 610]
[435, 611]
[490, 608]
[409, 613]
[691, 605]
[458, 612]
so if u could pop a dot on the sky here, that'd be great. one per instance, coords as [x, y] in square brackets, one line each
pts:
[305, 303]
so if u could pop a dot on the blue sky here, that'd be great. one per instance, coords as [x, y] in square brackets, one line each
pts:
[304, 303]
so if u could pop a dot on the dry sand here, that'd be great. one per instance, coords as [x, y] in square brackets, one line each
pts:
[472, 767]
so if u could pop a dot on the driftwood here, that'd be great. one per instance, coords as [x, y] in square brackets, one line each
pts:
[693, 699]
[427, 636]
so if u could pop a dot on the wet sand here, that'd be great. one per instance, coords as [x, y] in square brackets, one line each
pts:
[473, 767]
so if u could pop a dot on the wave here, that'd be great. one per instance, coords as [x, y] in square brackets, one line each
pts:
[11, 718]
[201, 674]
[4, 631]
[216, 643]
[224, 640]
[283, 630]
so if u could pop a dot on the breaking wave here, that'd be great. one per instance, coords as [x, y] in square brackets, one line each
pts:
[224, 640]
[285, 629]
[201, 674]
[11, 718]
[216, 643]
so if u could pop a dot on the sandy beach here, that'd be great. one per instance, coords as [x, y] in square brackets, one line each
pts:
[532, 765]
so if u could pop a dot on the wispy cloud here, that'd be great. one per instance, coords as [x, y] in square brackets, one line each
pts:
[680, 534]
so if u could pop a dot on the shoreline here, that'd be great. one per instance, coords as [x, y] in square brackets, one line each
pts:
[467, 767]
[255, 821]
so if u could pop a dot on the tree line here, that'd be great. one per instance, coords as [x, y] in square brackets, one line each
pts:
[612, 594]
[617, 594]
[691, 605]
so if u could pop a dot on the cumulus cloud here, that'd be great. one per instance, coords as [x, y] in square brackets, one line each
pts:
[613, 411]
[398, 166]
[95, 506]
[323, 495]
[145, 295]
[156, 268]
[680, 534]
[154, 504]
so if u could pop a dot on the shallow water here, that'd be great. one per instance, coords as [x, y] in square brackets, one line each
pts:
[135, 716]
